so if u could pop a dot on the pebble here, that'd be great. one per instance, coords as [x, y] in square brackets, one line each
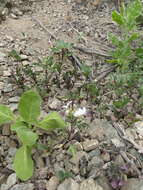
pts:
[11, 180]
[55, 104]
[7, 88]
[14, 99]
[117, 143]
[89, 184]
[12, 151]
[24, 186]
[78, 146]
[13, 106]
[7, 73]
[68, 184]
[53, 183]
[133, 184]
[105, 156]
[75, 160]
[96, 161]
[95, 152]
[89, 145]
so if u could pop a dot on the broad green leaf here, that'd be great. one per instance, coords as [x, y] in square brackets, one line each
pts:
[117, 18]
[23, 163]
[29, 106]
[26, 136]
[52, 121]
[6, 115]
[18, 124]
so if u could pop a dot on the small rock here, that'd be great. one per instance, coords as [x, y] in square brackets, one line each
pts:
[11, 180]
[40, 184]
[24, 57]
[2, 56]
[90, 145]
[78, 146]
[4, 187]
[102, 130]
[60, 157]
[1, 85]
[117, 143]
[13, 16]
[14, 99]
[133, 184]
[95, 152]
[119, 160]
[53, 183]
[105, 156]
[55, 104]
[11, 151]
[28, 186]
[96, 161]
[17, 12]
[7, 73]
[7, 88]
[139, 127]
[13, 106]
[39, 161]
[43, 172]
[69, 184]
[90, 184]
[75, 160]
[103, 182]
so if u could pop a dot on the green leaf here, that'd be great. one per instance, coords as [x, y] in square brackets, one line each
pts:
[23, 163]
[6, 115]
[29, 106]
[117, 18]
[17, 125]
[121, 103]
[62, 175]
[52, 121]
[15, 55]
[26, 136]
[133, 37]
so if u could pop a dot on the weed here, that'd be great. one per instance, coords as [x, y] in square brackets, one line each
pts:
[25, 126]
[128, 54]
[62, 175]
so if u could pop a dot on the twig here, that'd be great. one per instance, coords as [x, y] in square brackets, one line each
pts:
[85, 50]
[82, 37]
[124, 136]
[131, 162]
[105, 73]
[92, 51]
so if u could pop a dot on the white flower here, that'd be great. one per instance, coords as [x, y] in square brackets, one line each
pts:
[67, 105]
[80, 112]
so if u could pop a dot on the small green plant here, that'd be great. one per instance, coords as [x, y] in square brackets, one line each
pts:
[25, 126]
[124, 53]
[72, 150]
[128, 55]
[62, 175]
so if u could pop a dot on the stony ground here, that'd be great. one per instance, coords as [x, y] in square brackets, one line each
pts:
[107, 153]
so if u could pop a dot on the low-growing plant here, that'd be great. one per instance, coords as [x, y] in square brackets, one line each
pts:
[124, 53]
[25, 125]
[128, 54]
[62, 175]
